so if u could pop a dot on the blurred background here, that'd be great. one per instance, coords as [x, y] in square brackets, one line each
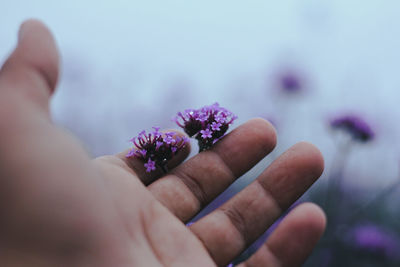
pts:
[323, 72]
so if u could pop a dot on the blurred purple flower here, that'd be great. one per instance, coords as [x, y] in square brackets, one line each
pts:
[374, 239]
[290, 81]
[156, 148]
[207, 124]
[355, 126]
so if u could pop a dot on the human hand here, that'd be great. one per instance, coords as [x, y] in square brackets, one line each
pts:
[60, 208]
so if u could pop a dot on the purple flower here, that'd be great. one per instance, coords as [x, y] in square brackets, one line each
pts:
[355, 126]
[207, 124]
[203, 117]
[215, 126]
[290, 81]
[156, 148]
[376, 240]
[142, 133]
[169, 137]
[206, 134]
[159, 144]
[189, 121]
[156, 131]
[131, 153]
[150, 165]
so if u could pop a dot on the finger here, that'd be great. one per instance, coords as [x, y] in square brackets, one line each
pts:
[230, 229]
[293, 240]
[195, 183]
[27, 79]
[30, 74]
[45, 175]
[135, 166]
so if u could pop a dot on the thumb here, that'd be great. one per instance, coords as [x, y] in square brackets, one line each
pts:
[31, 72]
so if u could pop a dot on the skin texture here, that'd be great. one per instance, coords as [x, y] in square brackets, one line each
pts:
[59, 207]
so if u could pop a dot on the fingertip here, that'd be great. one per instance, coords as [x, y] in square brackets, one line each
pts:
[292, 173]
[37, 49]
[294, 238]
[28, 24]
[310, 216]
[266, 131]
[311, 157]
[246, 145]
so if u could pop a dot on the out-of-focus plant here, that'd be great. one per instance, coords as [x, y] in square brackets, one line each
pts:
[355, 126]
[352, 130]
[360, 232]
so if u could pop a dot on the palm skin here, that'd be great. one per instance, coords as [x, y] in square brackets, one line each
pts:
[60, 208]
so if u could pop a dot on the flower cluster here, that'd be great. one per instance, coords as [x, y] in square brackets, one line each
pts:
[156, 148]
[355, 126]
[207, 124]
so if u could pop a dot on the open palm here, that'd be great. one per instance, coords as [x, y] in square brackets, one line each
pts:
[60, 208]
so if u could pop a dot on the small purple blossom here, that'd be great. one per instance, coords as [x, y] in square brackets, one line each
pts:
[142, 133]
[169, 138]
[156, 131]
[290, 82]
[206, 134]
[203, 117]
[143, 152]
[374, 239]
[159, 144]
[150, 165]
[215, 126]
[131, 153]
[207, 124]
[156, 148]
[220, 118]
[355, 126]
